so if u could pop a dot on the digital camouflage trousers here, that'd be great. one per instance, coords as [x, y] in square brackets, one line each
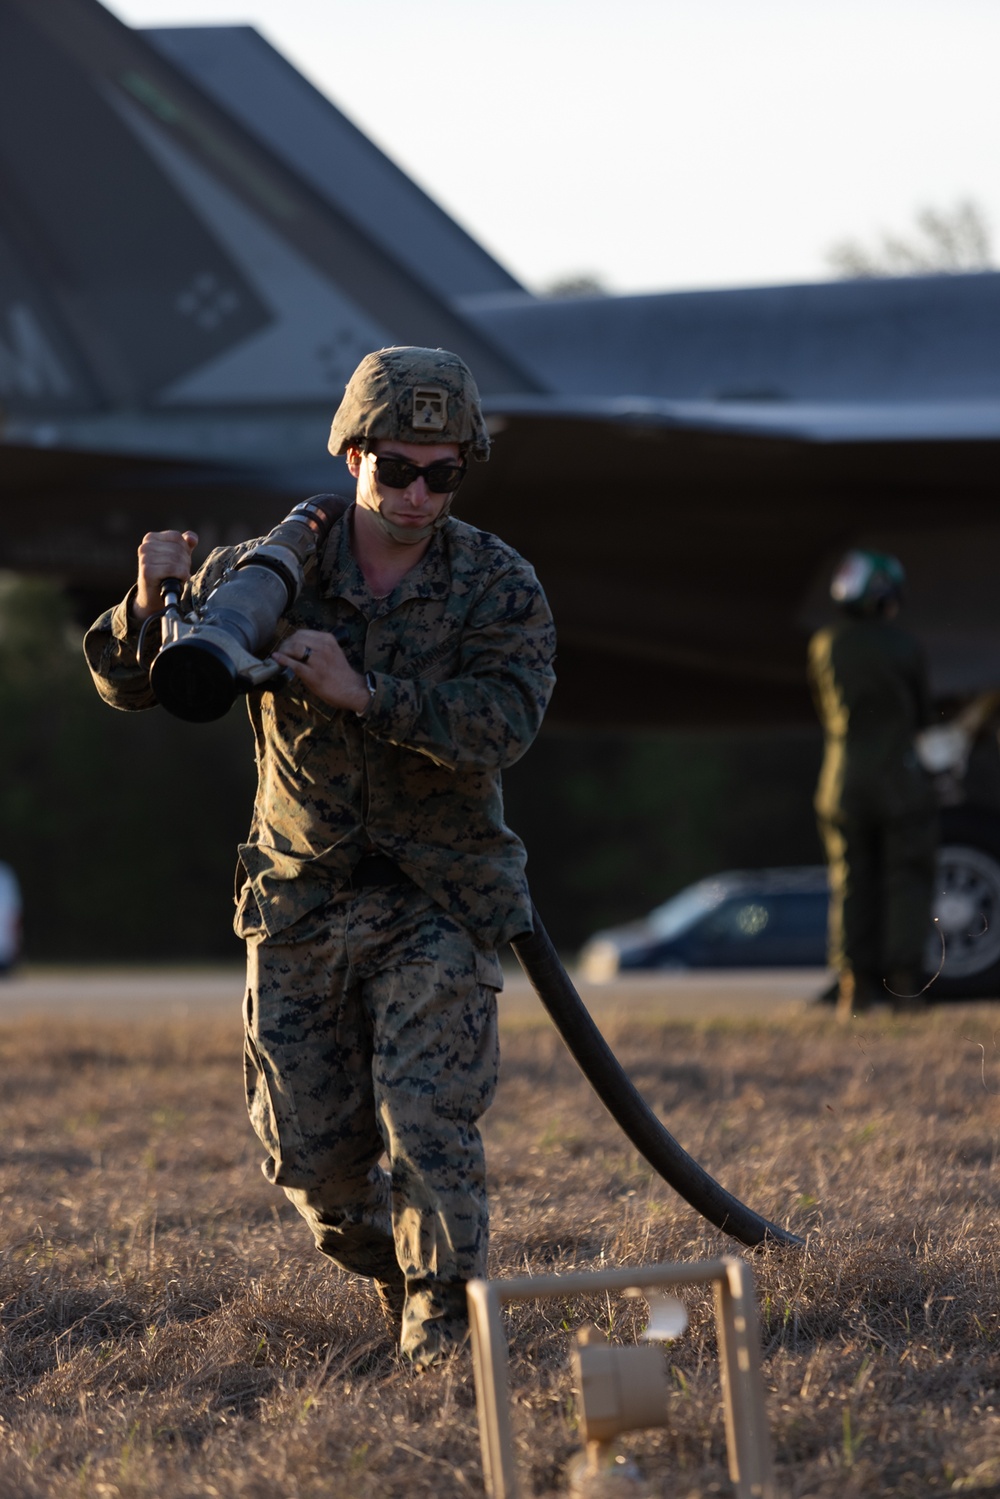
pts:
[371, 1029]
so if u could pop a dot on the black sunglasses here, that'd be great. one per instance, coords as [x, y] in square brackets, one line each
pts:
[442, 477]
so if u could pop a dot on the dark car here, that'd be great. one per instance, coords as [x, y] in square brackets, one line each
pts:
[762, 918]
[10, 919]
[776, 918]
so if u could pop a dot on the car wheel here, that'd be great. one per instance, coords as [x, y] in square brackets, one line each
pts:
[965, 944]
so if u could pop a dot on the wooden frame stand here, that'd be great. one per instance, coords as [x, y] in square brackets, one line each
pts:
[747, 1436]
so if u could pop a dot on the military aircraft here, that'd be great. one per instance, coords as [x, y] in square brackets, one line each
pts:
[188, 275]
[180, 306]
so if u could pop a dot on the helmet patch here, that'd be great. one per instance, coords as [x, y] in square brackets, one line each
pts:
[411, 394]
[430, 408]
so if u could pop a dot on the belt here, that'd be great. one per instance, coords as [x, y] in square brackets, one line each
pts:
[376, 869]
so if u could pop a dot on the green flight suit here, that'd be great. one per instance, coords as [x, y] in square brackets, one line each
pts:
[875, 803]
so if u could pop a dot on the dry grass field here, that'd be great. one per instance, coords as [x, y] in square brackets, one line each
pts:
[168, 1330]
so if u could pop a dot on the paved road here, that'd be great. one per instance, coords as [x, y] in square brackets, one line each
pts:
[168, 993]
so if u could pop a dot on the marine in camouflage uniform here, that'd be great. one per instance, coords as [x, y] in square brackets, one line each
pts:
[378, 878]
[875, 803]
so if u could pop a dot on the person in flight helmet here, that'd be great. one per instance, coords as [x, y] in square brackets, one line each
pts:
[378, 878]
[875, 803]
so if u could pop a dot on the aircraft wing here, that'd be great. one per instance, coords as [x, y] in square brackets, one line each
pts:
[187, 278]
[703, 458]
[687, 558]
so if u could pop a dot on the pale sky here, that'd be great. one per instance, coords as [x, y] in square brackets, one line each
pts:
[658, 144]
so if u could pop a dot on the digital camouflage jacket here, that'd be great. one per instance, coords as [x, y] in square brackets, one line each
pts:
[462, 658]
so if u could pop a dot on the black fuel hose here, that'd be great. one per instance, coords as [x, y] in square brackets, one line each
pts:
[626, 1106]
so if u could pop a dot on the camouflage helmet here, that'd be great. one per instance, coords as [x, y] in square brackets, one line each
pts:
[412, 395]
[866, 581]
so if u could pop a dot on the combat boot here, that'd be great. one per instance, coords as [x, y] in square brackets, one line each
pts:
[392, 1299]
[435, 1322]
[827, 996]
[857, 992]
[906, 989]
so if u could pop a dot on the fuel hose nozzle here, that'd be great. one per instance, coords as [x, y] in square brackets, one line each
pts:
[211, 655]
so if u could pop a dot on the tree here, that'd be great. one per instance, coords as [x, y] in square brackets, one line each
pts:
[944, 240]
[576, 284]
[121, 827]
[615, 822]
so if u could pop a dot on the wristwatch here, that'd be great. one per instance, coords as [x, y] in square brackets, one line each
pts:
[371, 684]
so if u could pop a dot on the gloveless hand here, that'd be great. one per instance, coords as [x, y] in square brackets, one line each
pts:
[162, 554]
[316, 658]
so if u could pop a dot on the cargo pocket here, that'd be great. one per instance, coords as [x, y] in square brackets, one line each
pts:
[276, 1128]
[247, 922]
[259, 1105]
[488, 970]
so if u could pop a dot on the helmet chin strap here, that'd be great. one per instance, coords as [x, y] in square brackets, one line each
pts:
[407, 536]
[411, 536]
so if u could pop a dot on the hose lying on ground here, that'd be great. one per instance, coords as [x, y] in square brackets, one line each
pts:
[606, 1076]
[207, 658]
